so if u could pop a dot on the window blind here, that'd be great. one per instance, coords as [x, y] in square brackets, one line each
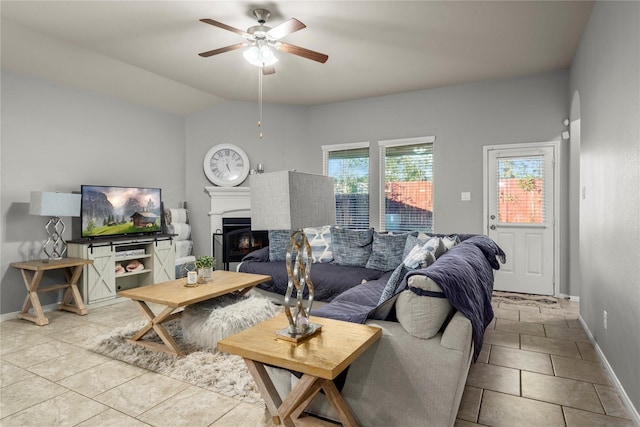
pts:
[406, 174]
[350, 170]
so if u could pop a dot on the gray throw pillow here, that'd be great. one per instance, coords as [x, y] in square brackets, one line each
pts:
[420, 257]
[436, 246]
[351, 247]
[279, 244]
[413, 240]
[386, 251]
[450, 241]
[394, 282]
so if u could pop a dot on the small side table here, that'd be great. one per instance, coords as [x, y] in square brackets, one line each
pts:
[32, 273]
[320, 358]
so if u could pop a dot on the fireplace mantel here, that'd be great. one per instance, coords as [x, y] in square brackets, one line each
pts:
[229, 199]
[227, 202]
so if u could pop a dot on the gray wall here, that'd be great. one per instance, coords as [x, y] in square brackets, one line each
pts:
[284, 146]
[55, 138]
[463, 119]
[605, 74]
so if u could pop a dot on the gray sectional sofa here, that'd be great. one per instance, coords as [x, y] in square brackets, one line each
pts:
[431, 295]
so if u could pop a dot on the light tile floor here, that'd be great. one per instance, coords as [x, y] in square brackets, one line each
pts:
[537, 368]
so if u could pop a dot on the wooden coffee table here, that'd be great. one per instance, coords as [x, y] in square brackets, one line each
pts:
[319, 358]
[174, 295]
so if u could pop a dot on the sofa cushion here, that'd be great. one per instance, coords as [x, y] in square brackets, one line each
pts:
[351, 247]
[329, 280]
[320, 242]
[386, 251]
[347, 311]
[279, 244]
[355, 304]
[423, 308]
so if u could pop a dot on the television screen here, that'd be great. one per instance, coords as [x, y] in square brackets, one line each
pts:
[116, 211]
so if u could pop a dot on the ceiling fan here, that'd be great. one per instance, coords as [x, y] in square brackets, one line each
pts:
[261, 38]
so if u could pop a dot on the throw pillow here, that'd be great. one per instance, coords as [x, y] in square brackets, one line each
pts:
[320, 242]
[351, 247]
[436, 246]
[394, 282]
[386, 251]
[383, 311]
[423, 308]
[413, 240]
[279, 244]
[420, 257]
[450, 241]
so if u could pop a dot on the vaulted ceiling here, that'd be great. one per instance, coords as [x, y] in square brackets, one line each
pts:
[147, 51]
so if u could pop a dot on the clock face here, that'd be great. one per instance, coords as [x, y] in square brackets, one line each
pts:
[226, 165]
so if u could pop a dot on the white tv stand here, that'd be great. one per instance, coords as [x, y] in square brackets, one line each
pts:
[99, 281]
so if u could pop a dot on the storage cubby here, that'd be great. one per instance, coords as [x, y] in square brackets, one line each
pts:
[142, 261]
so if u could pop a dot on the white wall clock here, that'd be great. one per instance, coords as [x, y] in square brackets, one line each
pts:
[226, 165]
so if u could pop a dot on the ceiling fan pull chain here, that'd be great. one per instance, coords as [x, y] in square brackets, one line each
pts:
[260, 101]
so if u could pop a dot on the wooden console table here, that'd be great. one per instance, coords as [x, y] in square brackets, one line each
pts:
[32, 273]
[319, 358]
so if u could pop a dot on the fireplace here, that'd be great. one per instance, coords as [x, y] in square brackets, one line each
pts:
[238, 239]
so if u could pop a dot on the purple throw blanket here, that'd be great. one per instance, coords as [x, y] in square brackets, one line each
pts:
[465, 274]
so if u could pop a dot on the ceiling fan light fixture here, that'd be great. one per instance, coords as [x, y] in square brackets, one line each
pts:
[260, 56]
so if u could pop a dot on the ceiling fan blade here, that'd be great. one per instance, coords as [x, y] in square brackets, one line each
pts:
[222, 50]
[287, 27]
[300, 51]
[268, 70]
[224, 26]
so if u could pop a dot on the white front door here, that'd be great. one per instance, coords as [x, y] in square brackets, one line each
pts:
[519, 215]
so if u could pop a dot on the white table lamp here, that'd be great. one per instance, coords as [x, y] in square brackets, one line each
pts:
[54, 205]
[291, 200]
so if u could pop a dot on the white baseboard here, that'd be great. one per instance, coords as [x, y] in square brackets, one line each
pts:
[623, 394]
[54, 306]
[14, 315]
[569, 297]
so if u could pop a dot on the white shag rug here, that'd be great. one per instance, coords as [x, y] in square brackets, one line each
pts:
[206, 323]
[203, 367]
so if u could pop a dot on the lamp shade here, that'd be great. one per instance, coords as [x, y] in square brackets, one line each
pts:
[290, 200]
[54, 204]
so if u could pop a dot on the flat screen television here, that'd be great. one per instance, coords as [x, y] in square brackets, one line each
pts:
[120, 211]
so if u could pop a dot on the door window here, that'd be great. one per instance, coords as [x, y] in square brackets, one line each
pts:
[521, 190]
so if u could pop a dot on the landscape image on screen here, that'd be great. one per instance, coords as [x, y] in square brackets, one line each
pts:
[112, 211]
